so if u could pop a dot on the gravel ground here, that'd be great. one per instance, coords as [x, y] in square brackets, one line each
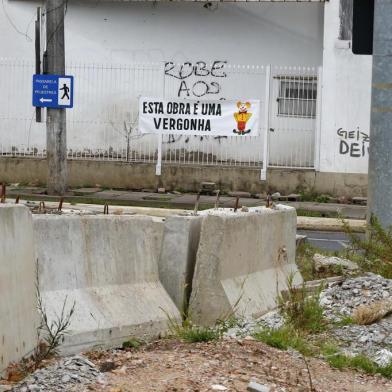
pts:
[68, 374]
[232, 364]
[169, 365]
[340, 299]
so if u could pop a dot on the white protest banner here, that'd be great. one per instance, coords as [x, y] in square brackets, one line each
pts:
[220, 118]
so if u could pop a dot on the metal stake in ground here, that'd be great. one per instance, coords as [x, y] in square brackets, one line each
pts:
[56, 145]
[217, 199]
[237, 202]
[380, 157]
[3, 193]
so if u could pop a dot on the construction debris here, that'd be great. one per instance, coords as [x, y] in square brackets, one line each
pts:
[326, 263]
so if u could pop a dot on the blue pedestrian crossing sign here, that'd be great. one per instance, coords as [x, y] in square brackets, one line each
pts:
[53, 91]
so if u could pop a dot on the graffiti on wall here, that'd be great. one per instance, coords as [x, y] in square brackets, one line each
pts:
[196, 80]
[354, 144]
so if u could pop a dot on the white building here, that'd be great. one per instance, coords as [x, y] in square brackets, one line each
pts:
[316, 111]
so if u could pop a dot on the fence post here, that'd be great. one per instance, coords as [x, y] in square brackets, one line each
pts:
[158, 167]
[317, 136]
[263, 172]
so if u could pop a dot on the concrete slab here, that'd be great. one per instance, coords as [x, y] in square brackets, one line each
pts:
[108, 265]
[243, 262]
[178, 256]
[18, 304]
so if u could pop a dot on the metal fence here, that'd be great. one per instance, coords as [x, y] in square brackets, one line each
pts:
[103, 124]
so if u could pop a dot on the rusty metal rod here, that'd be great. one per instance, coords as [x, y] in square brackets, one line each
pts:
[42, 207]
[237, 202]
[3, 192]
[217, 199]
[268, 201]
[60, 207]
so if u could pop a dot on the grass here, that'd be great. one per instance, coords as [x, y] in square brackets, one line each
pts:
[374, 252]
[317, 214]
[188, 332]
[284, 338]
[306, 331]
[343, 321]
[132, 343]
[304, 260]
[313, 196]
[192, 333]
[301, 310]
[306, 264]
[288, 337]
[359, 362]
[197, 334]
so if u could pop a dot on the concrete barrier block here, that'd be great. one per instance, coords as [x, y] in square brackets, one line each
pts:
[243, 261]
[18, 305]
[108, 265]
[178, 256]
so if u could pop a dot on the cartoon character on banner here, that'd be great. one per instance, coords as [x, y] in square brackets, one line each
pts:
[242, 117]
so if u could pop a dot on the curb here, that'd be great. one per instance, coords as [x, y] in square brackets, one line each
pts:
[329, 224]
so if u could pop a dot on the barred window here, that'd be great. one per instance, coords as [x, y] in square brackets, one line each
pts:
[297, 96]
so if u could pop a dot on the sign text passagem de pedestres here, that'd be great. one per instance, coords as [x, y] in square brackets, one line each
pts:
[221, 118]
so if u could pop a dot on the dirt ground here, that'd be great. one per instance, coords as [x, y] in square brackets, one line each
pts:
[169, 365]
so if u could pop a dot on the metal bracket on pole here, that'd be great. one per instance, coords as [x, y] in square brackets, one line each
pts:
[263, 172]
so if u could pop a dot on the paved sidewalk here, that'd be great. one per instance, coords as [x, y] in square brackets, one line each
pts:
[182, 201]
[303, 222]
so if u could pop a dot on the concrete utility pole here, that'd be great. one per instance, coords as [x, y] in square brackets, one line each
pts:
[380, 153]
[56, 143]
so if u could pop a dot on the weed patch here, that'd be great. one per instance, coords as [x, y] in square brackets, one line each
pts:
[190, 333]
[300, 310]
[359, 362]
[132, 343]
[374, 252]
[284, 338]
[306, 263]
[197, 334]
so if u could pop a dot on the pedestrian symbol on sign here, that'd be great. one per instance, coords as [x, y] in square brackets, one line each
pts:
[66, 91]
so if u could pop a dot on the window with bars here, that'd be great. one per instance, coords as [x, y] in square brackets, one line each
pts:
[297, 96]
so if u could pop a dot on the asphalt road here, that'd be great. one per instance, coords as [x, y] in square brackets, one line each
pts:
[326, 240]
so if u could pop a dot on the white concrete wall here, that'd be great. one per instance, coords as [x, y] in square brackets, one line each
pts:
[18, 305]
[125, 32]
[345, 101]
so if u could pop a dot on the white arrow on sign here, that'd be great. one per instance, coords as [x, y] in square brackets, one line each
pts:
[45, 100]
